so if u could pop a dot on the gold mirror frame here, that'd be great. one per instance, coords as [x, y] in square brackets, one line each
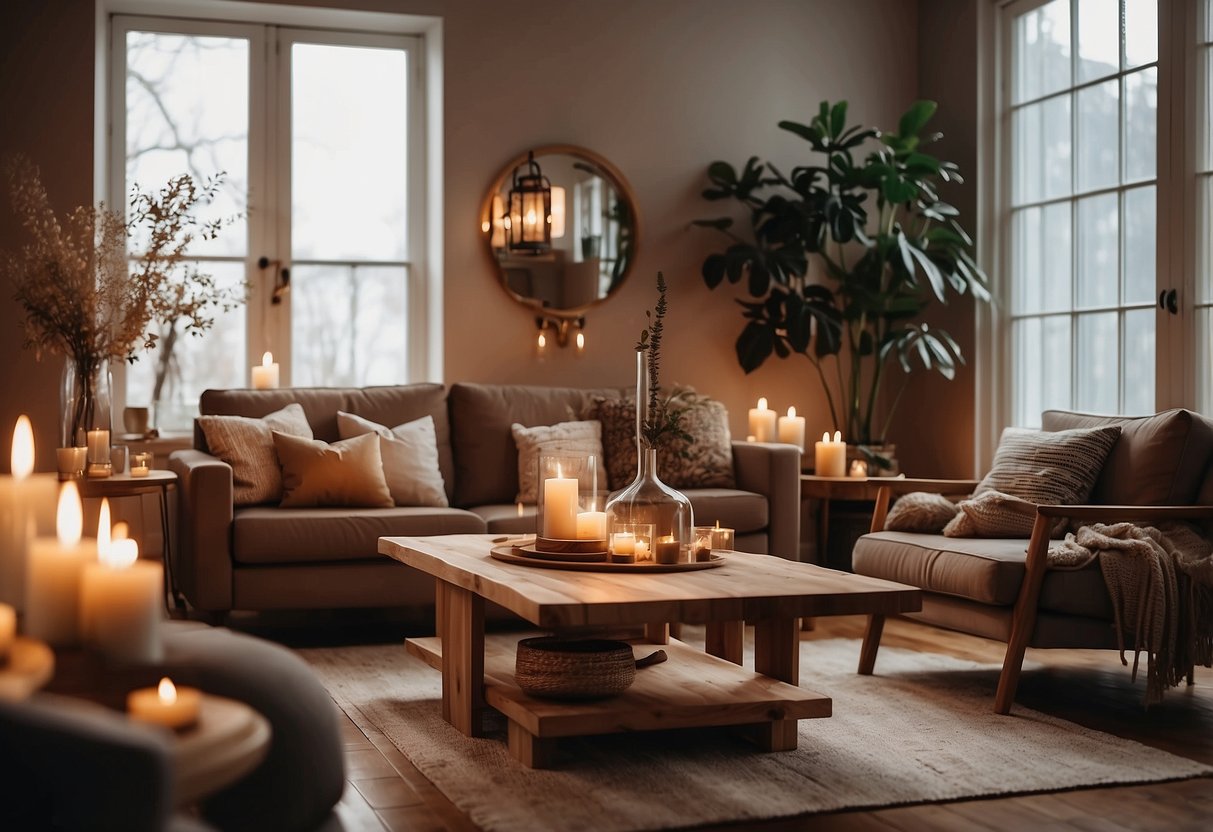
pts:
[609, 173]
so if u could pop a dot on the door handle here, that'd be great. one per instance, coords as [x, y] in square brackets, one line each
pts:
[1168, 299]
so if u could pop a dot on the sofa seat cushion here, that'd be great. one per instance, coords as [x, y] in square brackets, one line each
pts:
[264, 535]
[503, 518]
[987, 570]
[742, 511]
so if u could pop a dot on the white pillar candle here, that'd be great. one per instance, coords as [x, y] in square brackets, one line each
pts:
[265, 377]
[762, 422]
[98, 452]
[8, 631]
[52, 597]
[592, 525]
[831, 456]
[791, 429]
[623, 543]
[120, 604]
[14, 514]
[166, 704]
[560, 508]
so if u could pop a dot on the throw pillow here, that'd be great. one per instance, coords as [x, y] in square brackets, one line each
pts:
[573, 437]
[704, 462]
[248, 446]
[1049, 468]
[919, 511]
[410, 458]
[992, 514]
[346, 473]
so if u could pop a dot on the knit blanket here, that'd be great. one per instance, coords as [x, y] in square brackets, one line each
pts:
[1160, 581]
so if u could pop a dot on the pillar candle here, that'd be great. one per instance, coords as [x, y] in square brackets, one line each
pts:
[791, 429]
[265, 377]
[8, 631]
[762, 422]
[623, 543]
[560, 508]
[166, 704]
[592, 525]
[52, 597]
[831, 456]
[120, 601]
[98, 447]
[14, 514]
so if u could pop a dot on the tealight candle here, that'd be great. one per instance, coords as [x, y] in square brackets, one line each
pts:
[141, 464]
[831, 456]
[592, 525]
[52, 600]
[791, 429]
[722, 538]
[120, 599]
[165, 704]
[859, 468]
[265, 377]
[8, 631]
[762, 422]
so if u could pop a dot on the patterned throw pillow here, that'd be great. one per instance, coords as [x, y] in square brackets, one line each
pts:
[706, 462]
[570, 437]
[345, 473]
[919, 511]
[1049, 467]
[248, 446]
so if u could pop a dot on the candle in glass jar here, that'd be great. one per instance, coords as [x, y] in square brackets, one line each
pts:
[592, 525]
[791, 429]
[665, 550]
[99, 464]
[560, 508]
[623, 547]
[166, 704]
[831, 456]
[52, 600]
[120, 601]
[762, 422]
[141, 464]
[265, 377]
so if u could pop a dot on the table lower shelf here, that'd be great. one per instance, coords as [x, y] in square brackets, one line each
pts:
[693, 689]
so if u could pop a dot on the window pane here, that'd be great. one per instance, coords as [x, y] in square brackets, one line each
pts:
[1098, 39]
[1098, 357]
[1204, 109]
[348, 153]
[348, 325]
[1042, 150]
[1138, 381]
[1204, 359]
[1042, 367]
[1139, 245]
[1098, 242]
[1027, 283]
[1098, 147]
[1141, 124]
[1141, 32]
[214, 359]
[1204, 237]
[1042, 51]
[187, 112]
[1042, 260]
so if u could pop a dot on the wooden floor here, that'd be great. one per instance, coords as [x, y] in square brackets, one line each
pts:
[385, 792]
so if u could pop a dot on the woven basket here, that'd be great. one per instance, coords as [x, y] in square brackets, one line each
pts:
[565, 669]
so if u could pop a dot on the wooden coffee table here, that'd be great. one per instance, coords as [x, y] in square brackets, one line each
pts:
[692, 689]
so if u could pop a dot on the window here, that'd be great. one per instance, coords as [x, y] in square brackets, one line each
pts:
[320, 138]
[1204, 224]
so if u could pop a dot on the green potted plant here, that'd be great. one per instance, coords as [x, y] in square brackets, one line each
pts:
[868, 211]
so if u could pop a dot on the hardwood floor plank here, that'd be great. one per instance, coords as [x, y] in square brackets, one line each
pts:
[387, 792]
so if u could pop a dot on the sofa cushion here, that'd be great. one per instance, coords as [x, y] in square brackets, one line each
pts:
[388, 405]
[577, 439]
[247, 445]
[1158, 460]
[920, 511]
[504, 518]
[410, 458]
[486, 459]
[348, 472]
[264, 535]
[987, 570]
[1049, 468]
[742, 511]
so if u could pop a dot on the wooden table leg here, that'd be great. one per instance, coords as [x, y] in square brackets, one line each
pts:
[726, 639]
[530, 750]
[657, 633]
[462, 658]
[777, 654]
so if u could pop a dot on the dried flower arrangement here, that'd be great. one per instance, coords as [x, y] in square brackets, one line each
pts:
[663, 421]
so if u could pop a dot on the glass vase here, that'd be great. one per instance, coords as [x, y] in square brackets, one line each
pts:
[648, 500]
[85, 406]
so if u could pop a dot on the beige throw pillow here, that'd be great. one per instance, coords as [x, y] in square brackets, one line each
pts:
[410, 458]
[1049, 467]
[920, 511]
[346, 473]
[565, 437]
[992, 514]
[248, 446]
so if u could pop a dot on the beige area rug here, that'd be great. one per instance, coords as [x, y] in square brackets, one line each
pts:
[922, 730]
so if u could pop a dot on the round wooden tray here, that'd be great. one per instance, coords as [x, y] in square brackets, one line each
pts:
[532, 551]
[507, 554]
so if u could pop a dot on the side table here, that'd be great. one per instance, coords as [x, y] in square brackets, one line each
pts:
[156, 482]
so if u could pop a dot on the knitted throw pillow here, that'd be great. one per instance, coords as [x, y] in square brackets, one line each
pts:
[919, 511]
[248, 446]
[1049, 467]
[993, 514]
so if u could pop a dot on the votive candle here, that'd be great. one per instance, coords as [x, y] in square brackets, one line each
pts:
[166, 704]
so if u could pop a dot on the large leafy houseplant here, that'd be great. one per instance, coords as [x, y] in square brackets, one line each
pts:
[869, 211]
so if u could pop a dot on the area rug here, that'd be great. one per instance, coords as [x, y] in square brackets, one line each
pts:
[922, 730]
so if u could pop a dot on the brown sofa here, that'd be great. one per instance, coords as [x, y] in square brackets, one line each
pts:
[266, 557]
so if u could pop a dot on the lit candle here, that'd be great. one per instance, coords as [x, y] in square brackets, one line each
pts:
[120, 601]
[14, 514]
[859, 468]
[623, 543]
[703, 543]
[666, 549]
[791, 429]
[52, 600]
[580, 344]
[8, 631]
[642, 550]
[141, 464]
[99, 464]
[265, 377]
[592, 525]
[560, 508]
[722, 538]
[165, 704]
[831, 456]
[762, 422]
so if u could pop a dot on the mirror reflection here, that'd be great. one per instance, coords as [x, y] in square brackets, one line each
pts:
[560, 224]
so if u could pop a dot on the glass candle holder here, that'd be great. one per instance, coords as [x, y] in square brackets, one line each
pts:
[572, 495]
[141, 464]
[71, 462]
[632, 543]
[99, 463]
[711, 539]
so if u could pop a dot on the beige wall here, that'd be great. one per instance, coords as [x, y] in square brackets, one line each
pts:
[659, 88]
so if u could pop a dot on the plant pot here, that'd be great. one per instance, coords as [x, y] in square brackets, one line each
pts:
[590, 246]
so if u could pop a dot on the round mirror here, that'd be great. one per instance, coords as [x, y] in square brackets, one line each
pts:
[560, 225]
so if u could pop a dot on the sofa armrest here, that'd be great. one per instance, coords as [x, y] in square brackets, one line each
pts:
[773, 471]
[203, 562]
[1126, 513]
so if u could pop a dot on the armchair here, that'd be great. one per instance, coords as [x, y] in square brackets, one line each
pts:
[1158, 470]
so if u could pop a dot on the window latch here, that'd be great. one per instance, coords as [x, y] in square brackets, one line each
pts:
[282, 281]
[1168, 299]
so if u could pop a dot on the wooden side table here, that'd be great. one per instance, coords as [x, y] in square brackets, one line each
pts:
[158, 483]
[229, 741]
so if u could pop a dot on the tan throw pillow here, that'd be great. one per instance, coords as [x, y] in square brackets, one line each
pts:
[919, 511]
[565, 437]
[1049, 468]
[346, 473]
[993, 514]
[704, 462]
[410, 458]
[248, 446]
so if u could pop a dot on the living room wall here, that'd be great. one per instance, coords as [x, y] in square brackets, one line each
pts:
[661, 89]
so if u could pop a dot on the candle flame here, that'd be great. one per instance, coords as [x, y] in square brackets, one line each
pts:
[520, 509]
[104, 535]
[122, 554]
[121, 531]
[69, 518]
[669, 538]
[762, 403]
[792, 412]
[718, 524]
[167, 691]
[580, 340]
[825, 437]
[485, 226]
[23, 449]
[267, 358]
[543, 341]
[837, 436]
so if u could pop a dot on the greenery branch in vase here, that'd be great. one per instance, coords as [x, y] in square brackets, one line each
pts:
[888, 247]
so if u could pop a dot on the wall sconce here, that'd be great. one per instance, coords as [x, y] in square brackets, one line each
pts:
[561, 329]
[529, 222]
